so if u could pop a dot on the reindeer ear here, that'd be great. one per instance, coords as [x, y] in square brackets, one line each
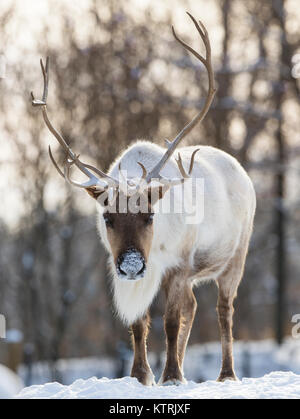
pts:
[103, 197]
[155, 193]
[94, 193]
[100, 196]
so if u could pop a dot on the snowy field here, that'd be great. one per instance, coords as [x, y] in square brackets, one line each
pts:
[275, 385]
[202, 363]
[274, 372]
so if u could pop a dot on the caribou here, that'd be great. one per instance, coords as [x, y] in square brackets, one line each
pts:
[152, 247]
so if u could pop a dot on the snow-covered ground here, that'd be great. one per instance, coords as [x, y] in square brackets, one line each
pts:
[202, 363]
[258, 360]
[274, 385]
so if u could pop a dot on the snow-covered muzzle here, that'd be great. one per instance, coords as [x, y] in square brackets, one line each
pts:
[131, 265]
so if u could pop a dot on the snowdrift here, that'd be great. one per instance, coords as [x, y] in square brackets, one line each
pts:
[274, 385]
[202, 363]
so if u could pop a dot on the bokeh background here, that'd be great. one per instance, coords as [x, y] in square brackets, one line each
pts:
[118, 75]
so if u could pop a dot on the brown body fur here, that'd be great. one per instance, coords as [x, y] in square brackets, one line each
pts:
[180, 312]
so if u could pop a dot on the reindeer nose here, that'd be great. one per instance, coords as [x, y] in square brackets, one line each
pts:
[131, 265]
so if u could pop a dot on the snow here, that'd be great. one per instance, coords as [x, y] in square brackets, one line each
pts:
[280, 384]
[255, 359]
[131, 264]
[202, 362]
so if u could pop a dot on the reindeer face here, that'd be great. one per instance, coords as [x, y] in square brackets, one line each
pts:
[130, 239]
[129, 234]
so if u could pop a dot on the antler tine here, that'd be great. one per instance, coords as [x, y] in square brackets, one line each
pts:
[192, 160]
[202, 32]
[67, 167]
[180, 167]
[54, 162]
[80, 165]
[180, 164]
[121, 173]
[92, 182]
[143, 169]
[171, 146]
[46, 78]
[186, 46]
[127, 185]
[100, 173]
[68, 164]
[45, 72]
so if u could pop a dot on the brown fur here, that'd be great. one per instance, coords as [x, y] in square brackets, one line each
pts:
[172, 320]
[206, 266]
[140, 368]
[127, 230]
[228, 284]
[180, 312]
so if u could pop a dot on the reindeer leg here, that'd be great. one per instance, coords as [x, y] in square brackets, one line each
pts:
[140, 368]
[172, 373]
[225, 312]
[188, 314]
[228, 284]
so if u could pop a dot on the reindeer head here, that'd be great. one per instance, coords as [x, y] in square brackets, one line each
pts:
[129, 226]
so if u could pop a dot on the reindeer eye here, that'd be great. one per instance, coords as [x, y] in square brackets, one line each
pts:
[107, 221]
[149, 220]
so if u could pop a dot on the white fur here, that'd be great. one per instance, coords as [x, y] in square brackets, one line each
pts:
[229, 205]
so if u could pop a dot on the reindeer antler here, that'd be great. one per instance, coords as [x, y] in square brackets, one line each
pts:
[102, 180]
[72, 158]
[171, 145]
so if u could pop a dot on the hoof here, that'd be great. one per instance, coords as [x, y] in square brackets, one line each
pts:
[172, 381]
[147, 379]
[227, 376]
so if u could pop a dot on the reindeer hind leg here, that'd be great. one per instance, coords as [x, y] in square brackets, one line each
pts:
[228, 283]
[188, 312]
